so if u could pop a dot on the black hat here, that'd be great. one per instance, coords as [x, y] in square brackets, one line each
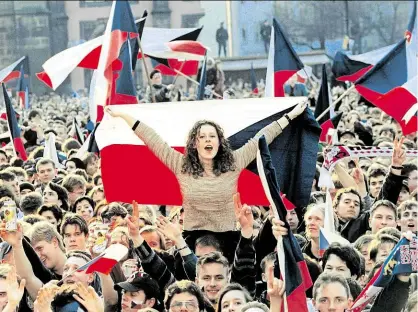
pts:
[140, 281]
[26, 186]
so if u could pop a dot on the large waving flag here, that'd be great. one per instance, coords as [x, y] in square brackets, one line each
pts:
[283, 62]
[154, 41]
[254, 88]
[402, 259]
[14, 127]
[352, 67]
[50, 150]
[13, 71]
[292, 267]
[241, 120]
[392, 84]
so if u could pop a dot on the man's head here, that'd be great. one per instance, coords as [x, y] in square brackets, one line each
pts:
[45, 170]
[47, 243]
[75, 260]
[343, 260]
[331, 293]
[31, 202]
[388, 131]
[347, 204]
[382, 214]
[293, 220]
[376, 177]
[138, 292]
[115, 213]
[150, 234]
[404, 193]
[156, 77]
[212, 274]
[381, 247]
[52, 213]
[4, 159]
[410, 170]
[266, 263]
[84, 207]
[408, 216]
[9, 179]
[5, 269]
[91, 162]
[75, 186]
[206, 244]
[75, 231]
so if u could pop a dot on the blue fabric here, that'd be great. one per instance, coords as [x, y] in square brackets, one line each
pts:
[202, 85]
[123, 19]
[323, 101]
[11, 115]
[300, 90]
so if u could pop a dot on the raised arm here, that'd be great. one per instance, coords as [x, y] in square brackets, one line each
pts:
[169, 156]
[23, 265]
[248, 152]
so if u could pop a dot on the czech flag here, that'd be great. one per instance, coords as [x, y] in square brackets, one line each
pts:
[402, 259]
[154, 41]
[254, 88]
[141, 176]
[283, 62]
[14, 127]
[13, 71]
[392, 84]
[291, 266]
[352, 67]
[106, 261]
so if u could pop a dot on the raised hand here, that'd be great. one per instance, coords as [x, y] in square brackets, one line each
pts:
[168, 229]
[14, 289]
[13, 238]
[132, 223]
[279, 230]
[275, 286]
[399, 155]
[88, 298]
[244, 216]
[111, 112]
[45, 297]
[297, 110]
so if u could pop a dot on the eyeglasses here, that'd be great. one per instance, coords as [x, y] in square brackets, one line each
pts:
[177, 305]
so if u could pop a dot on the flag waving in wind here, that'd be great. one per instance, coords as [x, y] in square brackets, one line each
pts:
[283, 62]
[292, 267]
[14, 127]
[392, 84]
[14, 70]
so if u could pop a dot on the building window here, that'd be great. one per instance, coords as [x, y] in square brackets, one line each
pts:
[92, 29]
[99, 3]
[190, 20]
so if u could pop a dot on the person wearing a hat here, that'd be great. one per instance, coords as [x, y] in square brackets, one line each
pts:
[138, 292]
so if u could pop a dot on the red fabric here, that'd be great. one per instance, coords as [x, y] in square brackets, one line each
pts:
[13, 75]
[395, 103]
[102, 265]
[255, 91]
[20, 149]
[43, 76]
[354, 77]
[22, 98]
[190, 68]
[187, 46]
[325, 127]
[280, 79]
[296, 301]
[139, 175]
[91, 60]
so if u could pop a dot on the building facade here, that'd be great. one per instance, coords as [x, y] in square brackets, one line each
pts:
[37, 29]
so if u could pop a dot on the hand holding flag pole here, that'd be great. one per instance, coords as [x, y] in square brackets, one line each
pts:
[335, 102]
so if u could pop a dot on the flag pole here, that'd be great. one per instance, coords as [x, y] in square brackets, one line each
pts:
[146, 70]
[181, 68]
[335, 102]
[195, 82]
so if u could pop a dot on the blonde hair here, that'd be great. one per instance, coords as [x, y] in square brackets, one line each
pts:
[45, 231]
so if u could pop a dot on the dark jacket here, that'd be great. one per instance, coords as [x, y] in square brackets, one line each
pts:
[160, 92]
[221, 35]
[391, 188]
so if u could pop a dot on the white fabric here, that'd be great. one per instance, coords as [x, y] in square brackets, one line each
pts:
[50, 150]
[269, 89]
[173, 121]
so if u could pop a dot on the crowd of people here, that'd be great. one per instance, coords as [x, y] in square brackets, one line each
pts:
[214, 253]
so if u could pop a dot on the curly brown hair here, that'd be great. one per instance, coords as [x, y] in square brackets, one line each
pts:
[222, 162]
